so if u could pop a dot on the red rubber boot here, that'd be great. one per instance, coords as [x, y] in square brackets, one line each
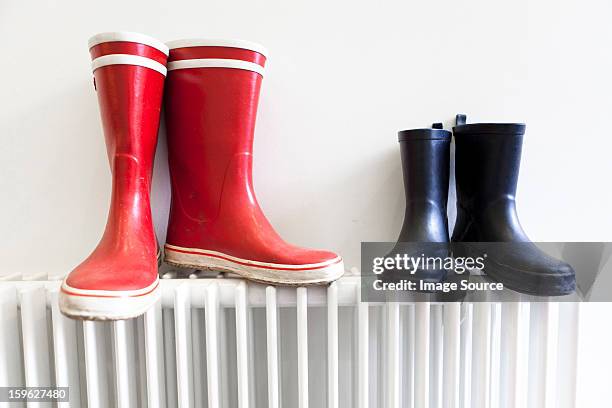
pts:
[119, 279]
[215, 222]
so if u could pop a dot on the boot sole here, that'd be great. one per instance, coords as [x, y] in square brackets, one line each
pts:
[533, 283]
[267, 273]
[528, 282]
[106, 304]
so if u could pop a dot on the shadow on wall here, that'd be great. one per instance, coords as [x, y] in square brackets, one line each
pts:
[593, 263]
[160, 189]
[452, 193]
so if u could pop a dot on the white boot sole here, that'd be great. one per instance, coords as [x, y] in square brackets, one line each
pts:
[107, 304]
[272, 274]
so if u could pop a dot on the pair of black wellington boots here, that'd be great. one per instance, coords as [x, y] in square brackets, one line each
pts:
[487, 160]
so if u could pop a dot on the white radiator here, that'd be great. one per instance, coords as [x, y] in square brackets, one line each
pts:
[225, 343]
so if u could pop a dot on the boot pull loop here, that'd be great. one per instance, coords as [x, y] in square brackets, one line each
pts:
[437, 125]
[460, 119]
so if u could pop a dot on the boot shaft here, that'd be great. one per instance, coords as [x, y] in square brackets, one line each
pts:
[425, 164]
[129, 71]
[211, 103]
[487, 161]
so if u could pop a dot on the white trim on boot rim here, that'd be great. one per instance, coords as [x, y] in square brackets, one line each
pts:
[216, 63]
[107, 304]
[211, 42]
[269, 273]
[127, 36]
[128, 59]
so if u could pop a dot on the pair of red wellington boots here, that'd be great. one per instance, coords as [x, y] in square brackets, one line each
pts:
[211, 96]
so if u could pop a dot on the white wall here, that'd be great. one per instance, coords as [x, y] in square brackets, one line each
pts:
[343, 78]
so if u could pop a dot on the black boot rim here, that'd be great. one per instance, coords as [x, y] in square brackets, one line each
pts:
[490, 128]
[423, 134]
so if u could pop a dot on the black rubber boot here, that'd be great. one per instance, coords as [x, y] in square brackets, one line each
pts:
[425, 165]
[487, 159]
